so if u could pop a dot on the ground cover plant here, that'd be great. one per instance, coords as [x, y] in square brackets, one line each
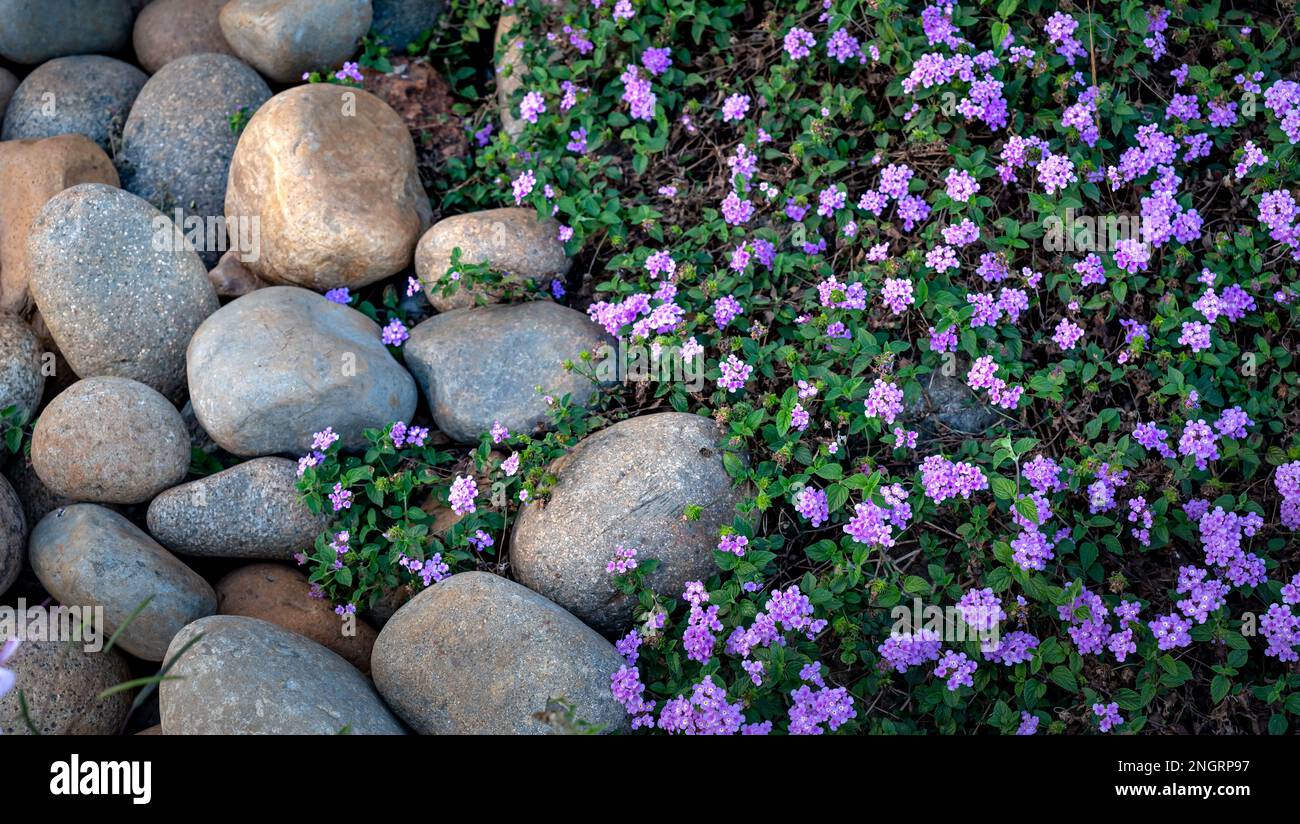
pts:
[1081, 216]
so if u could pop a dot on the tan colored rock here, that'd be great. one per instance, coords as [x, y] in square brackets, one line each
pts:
[285, 38]
[110, 440]
[282, 596]
[329, 172]
[60, 683]
[510, 72]
[32, 172]
[168, 29]
[512, 240]
[231, 278]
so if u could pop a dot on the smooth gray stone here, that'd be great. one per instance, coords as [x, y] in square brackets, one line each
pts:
[246, 676]
[252, 510]
[477, 654]
[87, 555]
[495, 363]
[274, 367]
[33, 31]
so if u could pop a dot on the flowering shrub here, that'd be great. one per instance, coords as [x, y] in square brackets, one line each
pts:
[837, 204]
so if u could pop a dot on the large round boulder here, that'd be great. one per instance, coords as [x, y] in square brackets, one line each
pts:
[22, 377]
[13, 536]
[480, 655]
[512, 241]
[170, 29]
[33, 31]
[86, 554]
[88, 95]
[110, 440]
[496, 363]
[276, 366]
[119, 297]
[246, 676]
[252, 510]
[282, 595]
[177, 145]
[627, 485]
[32, 172]
[329, 172]
[60, 683]
[286, 38]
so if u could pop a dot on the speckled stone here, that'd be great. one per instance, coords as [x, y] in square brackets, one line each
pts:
[284, 38]
[282, 595]
[116, 298]
[510, 240]
[32, 172]
[13, 536]
[627, 484]
[330, 173]
[177, 144]
[249, 677]
[8, 83]
[60, 683]
[252, 510]
[110, 440]
[477, 654]
[280, 364]
[86, 554]
[170, 29]
[21, 378]
[33, 31]
[400, 22]
[484, 365]
[88, 95]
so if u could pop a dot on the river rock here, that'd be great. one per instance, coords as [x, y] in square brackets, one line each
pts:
[87, 94]
[251, 510]
[285, 38]
[8, 83]
[22, 380]
[60, 683]
[170, 29]
[282, 595]
[510, 240]
[494, 363]
[330, 173]
[480, 655]
[86, 554]
[249, 677]
[401, 22]
[32, 172]
[111, 440]
[13, 536]
[119, 297]
[231, 279]
[177, 145]
[947, 404]
[274, 367]
[33, 31]
[629, 485]
[510, 68]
